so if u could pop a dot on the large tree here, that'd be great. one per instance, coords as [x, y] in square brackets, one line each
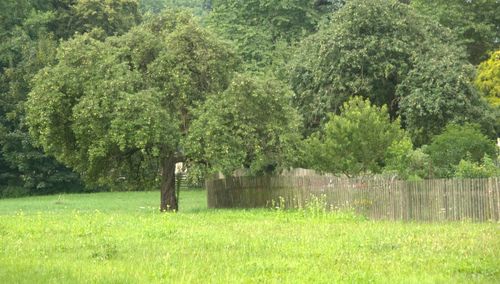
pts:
[438, 90]
[369, 49]
[475, 23]
[262, 29]
[115, 109]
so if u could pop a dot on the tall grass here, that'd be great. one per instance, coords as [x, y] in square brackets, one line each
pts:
[122, 238]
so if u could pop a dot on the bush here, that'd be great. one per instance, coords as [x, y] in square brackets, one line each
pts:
[13, 191]
[405, 162]
[485, 169]
[354, 142]
[456, 143]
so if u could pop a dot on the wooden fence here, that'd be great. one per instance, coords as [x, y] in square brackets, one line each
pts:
[379, 199]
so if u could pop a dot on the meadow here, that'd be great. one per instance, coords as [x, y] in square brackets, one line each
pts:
[121, 237]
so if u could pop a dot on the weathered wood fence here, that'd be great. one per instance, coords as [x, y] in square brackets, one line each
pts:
[426, 200]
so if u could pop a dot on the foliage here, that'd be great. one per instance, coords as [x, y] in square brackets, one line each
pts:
[120, 238]
[197, 7]
[406, 162]
[485, 169]
[488, 78]
[24, 22]
[33, 172]
[288, 19]
[28, 45]
[68, 17]
[438, 90]
[369, 49]
[250, 125]
[354, 142]
[115, 109]
[257, 26]
[475, 23]
[12, 191]
[12, 14]
[113, 16]
[456, 143]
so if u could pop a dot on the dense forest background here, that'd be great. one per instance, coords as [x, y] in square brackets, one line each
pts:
[100, 95]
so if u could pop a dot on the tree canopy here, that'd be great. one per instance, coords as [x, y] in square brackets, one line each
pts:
[259, 28]
[438, 90]
[476, 24]
[30, 32]
[115, 110]
[488, 78]
[197, 7]
[251, 125]
[374, 49]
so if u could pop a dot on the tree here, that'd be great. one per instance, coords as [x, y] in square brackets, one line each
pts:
[30, 32]
[354, 142]
[257, 27]
[369, 49]
[8, 175]
[488, 78]
[115, 109]
[26, 46]
[474, 23]
[197, 7]
[456, 143]
[251, 125]
[114, 17]
[438, 90]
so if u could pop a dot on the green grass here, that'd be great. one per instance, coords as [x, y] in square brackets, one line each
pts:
[109, 202]
[122, 238]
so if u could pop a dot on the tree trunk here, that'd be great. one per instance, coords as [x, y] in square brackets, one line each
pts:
[168, 196]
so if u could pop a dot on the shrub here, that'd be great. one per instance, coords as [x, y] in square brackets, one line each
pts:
[354, 142]
[13, 191]
[456, 143]
[405, 162]
[484, 169]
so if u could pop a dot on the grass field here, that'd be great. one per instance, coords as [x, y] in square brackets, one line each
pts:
[122, 238]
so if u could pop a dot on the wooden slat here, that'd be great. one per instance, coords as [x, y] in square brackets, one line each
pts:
[427, 200]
